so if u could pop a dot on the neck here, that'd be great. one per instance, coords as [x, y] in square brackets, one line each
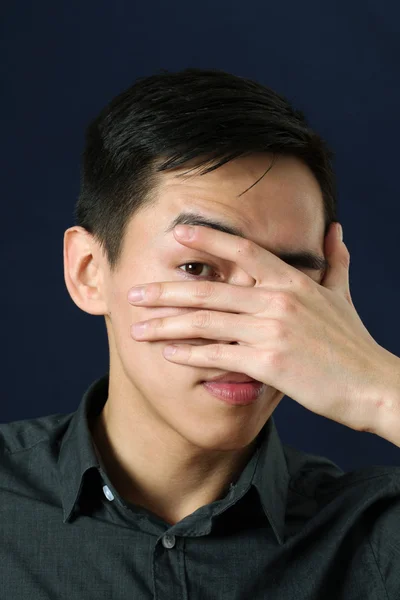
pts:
[157, 469]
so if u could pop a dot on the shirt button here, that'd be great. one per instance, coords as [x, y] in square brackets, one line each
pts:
[108, 493]
[168, 541]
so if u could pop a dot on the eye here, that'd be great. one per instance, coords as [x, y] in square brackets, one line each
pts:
[196, 268]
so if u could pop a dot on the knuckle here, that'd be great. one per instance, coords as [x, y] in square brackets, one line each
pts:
[266, 295]
[247, 247]
[216, 352]
[203, 291]
[156, 323]
[274, 360]
[154, 291]
[202, 319]
[304, 283]
[284, 301]
[345, 259]
[349, 299]
[190, 353]
[277, 329]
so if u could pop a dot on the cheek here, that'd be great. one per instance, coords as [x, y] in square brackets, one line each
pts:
[123, 315]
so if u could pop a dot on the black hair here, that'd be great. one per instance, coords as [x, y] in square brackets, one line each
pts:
[169, 118]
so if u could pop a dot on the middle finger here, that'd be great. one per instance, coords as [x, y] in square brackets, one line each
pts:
[199, 324]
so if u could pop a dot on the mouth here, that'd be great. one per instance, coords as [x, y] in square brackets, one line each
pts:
[231, 378]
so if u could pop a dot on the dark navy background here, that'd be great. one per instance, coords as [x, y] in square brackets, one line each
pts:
[63, 61]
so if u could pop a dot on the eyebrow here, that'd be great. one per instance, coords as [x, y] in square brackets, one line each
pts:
[300, 258]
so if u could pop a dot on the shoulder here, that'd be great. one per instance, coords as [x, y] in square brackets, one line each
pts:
[318, 476]
[29, 451]
[365, 500]
[25, 434]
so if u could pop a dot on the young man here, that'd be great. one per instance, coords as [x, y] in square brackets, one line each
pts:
[170, 480]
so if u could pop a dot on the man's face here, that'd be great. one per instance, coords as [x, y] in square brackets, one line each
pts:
[284, 210]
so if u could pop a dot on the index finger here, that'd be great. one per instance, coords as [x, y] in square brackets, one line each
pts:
[256, 261]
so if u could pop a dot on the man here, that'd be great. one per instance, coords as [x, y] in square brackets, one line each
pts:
[170, 480]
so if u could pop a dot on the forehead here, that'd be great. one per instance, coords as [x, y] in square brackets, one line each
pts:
[284, 207]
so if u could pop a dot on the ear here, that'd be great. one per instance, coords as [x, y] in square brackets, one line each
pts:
[82, 274]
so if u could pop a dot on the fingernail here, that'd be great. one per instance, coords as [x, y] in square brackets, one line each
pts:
[139, 328]
[135, 294]
[186, 232]
[170, 350]
[340, 232]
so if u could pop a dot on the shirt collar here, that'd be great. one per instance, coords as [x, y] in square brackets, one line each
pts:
[271, 479]
[77, 455]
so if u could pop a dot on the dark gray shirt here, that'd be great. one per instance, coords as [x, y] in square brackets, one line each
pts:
[293, 527]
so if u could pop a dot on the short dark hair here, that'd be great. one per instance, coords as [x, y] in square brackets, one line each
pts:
[169, 118]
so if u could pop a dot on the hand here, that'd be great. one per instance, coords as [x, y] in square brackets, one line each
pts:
[302, 338]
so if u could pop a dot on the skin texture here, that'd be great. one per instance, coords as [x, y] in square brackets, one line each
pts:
[166, 443]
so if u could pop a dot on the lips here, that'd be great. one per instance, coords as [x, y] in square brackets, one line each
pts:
[233, 378]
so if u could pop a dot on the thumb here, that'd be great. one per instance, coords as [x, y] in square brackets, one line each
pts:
[338, 257]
